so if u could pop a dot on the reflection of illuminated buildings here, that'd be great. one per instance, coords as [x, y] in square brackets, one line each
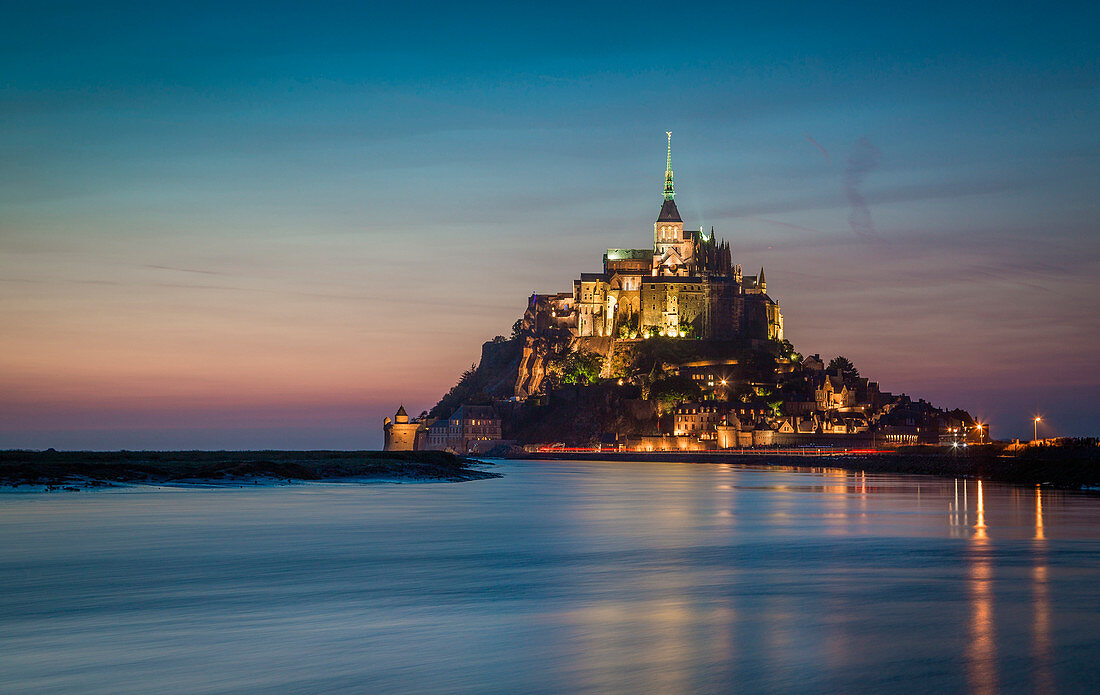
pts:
[1043, 651]
[1039, 514]
[981, 651]
[981, 646]
[979, 527]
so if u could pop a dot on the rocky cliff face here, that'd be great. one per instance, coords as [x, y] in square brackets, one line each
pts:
[538, 351]
[531, 370]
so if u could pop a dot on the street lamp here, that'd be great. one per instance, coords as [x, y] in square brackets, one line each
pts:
[1035, 427]
[981, 433]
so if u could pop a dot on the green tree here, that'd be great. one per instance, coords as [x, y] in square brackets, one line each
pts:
[844, 366]
[628, 326]
[786, 351]
[581, 367]
[669, 391]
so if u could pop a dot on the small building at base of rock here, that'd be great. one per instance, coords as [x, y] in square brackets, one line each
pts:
[401, 434]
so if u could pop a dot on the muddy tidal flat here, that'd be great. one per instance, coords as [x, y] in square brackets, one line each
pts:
[77, 470]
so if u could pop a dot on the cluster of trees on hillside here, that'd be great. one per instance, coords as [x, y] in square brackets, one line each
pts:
[580, 367]
[649, 366]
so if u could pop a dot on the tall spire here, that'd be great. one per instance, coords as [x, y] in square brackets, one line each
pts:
[669, 192]
[669, 213]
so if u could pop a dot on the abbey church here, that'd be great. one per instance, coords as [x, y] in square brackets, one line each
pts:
[685, 285]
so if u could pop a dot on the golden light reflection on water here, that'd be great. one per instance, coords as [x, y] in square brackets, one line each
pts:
[664, 634]
[840, 479]
[1042, 650]
[1039, 536]
[979, 527]
[981, 650]
[671, 631]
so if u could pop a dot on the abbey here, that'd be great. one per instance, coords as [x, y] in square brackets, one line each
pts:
[685, 285]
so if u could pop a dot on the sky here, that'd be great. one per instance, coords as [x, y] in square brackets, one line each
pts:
[267, 225]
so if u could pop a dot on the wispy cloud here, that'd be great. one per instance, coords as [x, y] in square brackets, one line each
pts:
[184, 270]
[819, 146]
[863, 159]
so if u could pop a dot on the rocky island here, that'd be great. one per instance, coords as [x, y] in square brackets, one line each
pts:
[673, 351]
[672, 347]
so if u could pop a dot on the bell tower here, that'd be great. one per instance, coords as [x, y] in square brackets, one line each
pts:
[670, 251]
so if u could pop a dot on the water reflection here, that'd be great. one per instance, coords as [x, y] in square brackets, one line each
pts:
[558, 577]
[981, 651]
[1042, 649]
[1039, 514]
[979, 527]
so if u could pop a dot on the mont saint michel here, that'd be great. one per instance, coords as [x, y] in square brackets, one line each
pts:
[671, 347]
[549, 349]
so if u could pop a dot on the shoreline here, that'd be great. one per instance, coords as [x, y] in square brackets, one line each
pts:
[72, 471]
[1059, 471]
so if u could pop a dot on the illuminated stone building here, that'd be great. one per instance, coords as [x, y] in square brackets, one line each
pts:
[685, 285]
[468, 428]
[699, 419]
[400, 434]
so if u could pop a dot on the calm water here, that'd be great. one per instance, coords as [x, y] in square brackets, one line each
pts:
[558, 578]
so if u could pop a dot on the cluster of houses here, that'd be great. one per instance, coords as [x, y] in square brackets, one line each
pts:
[820, 406]
[470, 428]
[815, 406]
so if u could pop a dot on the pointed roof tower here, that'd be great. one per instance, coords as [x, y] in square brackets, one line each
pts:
[669, 213]
[760, 282]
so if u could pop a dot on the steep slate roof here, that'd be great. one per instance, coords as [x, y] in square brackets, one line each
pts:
[470, 412]
[669, 213]
[401, 411]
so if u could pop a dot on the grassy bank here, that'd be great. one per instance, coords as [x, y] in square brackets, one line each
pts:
[92, 468]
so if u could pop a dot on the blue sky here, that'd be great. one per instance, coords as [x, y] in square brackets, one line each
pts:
[268, 224]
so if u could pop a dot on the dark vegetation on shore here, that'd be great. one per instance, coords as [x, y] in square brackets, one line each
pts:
[1074, 464]
[100, 468]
